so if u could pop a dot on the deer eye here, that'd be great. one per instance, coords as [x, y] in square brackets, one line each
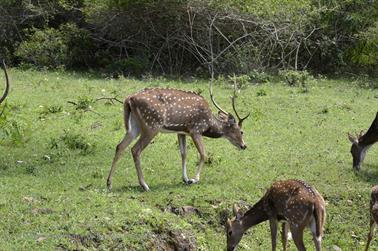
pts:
[229, 233]
[241, 132]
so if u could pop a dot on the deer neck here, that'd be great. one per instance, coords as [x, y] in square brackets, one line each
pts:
[254, 216]
[370, 137]
[216, 128]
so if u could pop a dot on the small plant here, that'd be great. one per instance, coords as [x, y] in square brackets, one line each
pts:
[52, 109]
[76, 141]
[12, 131]
[71, 141]
[261, 93]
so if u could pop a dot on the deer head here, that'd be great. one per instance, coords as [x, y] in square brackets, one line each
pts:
[234, 230]
[362, 142]
[232, 129]
[6, 91]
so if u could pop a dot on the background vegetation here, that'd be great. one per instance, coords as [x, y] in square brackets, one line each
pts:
[182, 37]
[55, 157]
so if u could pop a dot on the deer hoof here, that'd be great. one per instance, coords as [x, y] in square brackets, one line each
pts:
[145, 187]
[192, 181]
[109, 185]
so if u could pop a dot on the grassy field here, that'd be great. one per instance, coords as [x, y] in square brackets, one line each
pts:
[55, 157]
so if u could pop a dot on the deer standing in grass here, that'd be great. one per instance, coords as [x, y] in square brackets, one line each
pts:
[7, 85]
[154, 110]
[294, 202]
[362, 142]
[373, 215]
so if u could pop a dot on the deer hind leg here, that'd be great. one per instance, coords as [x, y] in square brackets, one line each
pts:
[317, 239]
[297, 234]
[284, 233]
[182, 144]
[136, 150]
[371, 233]
[273, 223]
[197, 139]
[131, 134]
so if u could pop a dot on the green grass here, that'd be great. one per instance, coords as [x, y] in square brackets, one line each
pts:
[52, 183]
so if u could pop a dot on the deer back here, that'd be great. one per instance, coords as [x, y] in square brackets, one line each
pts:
[171, 110]
[290, 199]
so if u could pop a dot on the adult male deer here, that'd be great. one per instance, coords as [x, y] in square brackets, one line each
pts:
[362, 142]
[7, 85]
[150, 111]
[373, 214]
[293, 201]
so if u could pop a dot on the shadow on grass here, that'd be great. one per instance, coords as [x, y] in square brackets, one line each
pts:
[160, 187]
[368, 173]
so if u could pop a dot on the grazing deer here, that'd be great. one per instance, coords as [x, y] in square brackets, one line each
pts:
[7, 85]
[373, 214]
[154, 110]
[362, 142]
[293, 201]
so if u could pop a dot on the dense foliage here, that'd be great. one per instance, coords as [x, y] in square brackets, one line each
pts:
[186, 36]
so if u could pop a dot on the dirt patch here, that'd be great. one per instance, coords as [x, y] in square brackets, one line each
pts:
[183, 211]
[91, 240]
[174, 241]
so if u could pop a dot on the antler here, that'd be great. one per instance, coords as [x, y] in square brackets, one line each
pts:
[6, 91]
[212, 97]
[233, 107]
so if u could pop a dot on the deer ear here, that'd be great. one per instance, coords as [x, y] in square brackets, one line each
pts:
[351, 138]
[236, 211]
[222, 115]
[231, 119]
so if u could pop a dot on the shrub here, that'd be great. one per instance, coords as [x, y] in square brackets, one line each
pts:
[44, 48]
[259, 77]
[296, 78]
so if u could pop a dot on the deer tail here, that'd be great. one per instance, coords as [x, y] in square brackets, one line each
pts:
[319, 215]
[127, 111]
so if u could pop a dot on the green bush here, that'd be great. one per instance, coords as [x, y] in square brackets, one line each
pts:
[295, 78]
[44, 48]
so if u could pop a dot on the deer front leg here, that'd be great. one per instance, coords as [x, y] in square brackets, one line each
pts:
[136, 150]
[197, 139]
[182, 144]
[273, 232]
[371, 233]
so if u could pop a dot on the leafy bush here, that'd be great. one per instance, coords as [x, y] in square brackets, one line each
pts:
[44, 48]
[295, 78]
[259, 76]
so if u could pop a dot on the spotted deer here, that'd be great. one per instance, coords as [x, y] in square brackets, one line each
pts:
[362, 142]
[373, 214]
[156, 110]
[7, 84]
[294, 202]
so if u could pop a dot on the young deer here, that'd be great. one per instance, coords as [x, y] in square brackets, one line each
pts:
[373, 214]
[294, 202]
[150, 111]
[7, 85]
[362, 142]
